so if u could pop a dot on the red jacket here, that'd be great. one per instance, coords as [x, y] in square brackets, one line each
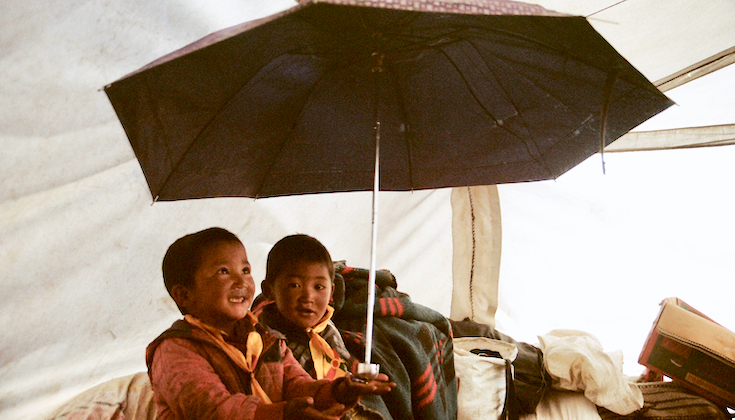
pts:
[193, 378]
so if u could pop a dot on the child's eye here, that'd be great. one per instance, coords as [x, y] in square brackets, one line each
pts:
[222, 271]
[293, 285]
[246, 270]
[319, 287]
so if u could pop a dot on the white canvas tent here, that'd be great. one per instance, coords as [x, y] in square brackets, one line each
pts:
[81, 244]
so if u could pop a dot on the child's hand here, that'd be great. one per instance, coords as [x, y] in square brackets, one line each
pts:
[351, 389]
[303, 408]
[379, 385]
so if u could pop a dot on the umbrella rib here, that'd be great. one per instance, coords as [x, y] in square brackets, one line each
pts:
[567, 57]
[203, 129]
[607, 96]
[487, 111]
[330, 51]
[539, 161]
[407, 125]
[451, 37]
[535, 42]
[287, 137]
[196, 138]
[173, 168]
[160, 123]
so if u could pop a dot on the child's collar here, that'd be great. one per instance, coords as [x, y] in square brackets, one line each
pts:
[322, 324]
[249, 318]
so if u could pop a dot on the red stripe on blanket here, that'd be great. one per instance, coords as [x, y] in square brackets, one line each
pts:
[400, 307]
[392, 306]
[427, 391]
[424, 376]
[429, 398]
[383, 310]
[353, 336]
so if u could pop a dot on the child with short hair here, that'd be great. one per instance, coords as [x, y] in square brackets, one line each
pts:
[298, 287]
[218, 362]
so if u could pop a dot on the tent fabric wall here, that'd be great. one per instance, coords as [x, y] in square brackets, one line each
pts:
[81, 242]
[703, 116]
[83, 292]
[597, 252]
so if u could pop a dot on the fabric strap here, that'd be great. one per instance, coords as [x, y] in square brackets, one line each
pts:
[254, 348]
[511, 409]
[327, 362]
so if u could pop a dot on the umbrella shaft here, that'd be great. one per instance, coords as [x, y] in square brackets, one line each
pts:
[373, 251]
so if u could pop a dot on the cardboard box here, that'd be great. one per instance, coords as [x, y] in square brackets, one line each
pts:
[693, 350]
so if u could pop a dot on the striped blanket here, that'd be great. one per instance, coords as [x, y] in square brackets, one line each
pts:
[412, 344]
[670, 401]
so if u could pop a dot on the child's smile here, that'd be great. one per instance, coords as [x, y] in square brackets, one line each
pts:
[239, 295]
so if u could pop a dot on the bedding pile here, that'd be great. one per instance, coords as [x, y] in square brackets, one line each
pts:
[576, 362]
[412, 344]
[125, 398]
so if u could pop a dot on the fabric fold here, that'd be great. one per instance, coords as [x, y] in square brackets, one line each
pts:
[577, 362]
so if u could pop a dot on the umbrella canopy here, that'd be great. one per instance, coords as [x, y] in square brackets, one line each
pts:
[459, 93]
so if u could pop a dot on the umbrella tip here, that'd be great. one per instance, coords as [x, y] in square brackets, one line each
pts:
[602, 161]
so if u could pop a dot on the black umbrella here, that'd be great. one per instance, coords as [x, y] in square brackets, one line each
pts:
[446, 93]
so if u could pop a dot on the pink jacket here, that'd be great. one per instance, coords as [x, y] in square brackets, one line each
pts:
[193, 378]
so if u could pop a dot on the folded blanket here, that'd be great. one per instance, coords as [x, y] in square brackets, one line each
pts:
[670, 401]
[412, 344]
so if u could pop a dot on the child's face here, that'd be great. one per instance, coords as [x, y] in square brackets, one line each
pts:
[302, 293]
[223, 286]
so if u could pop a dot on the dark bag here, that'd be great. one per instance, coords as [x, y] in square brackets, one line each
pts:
[531, 380]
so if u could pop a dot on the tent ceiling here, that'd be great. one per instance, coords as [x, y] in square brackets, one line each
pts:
[702, 117]
[660, 39]
[672, 43]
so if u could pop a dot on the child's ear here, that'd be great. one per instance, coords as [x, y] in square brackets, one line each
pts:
[181, 295]
[266, 289]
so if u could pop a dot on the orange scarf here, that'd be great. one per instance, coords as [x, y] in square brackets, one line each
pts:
[254, 348]
[326, 359]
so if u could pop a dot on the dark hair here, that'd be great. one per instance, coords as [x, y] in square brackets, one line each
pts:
[295, 249]
[185, 255]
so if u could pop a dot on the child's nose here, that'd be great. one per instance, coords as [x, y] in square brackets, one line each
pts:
[240, 278]
[306, 293]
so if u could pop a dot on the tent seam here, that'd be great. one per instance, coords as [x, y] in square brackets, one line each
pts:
[474, 247]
